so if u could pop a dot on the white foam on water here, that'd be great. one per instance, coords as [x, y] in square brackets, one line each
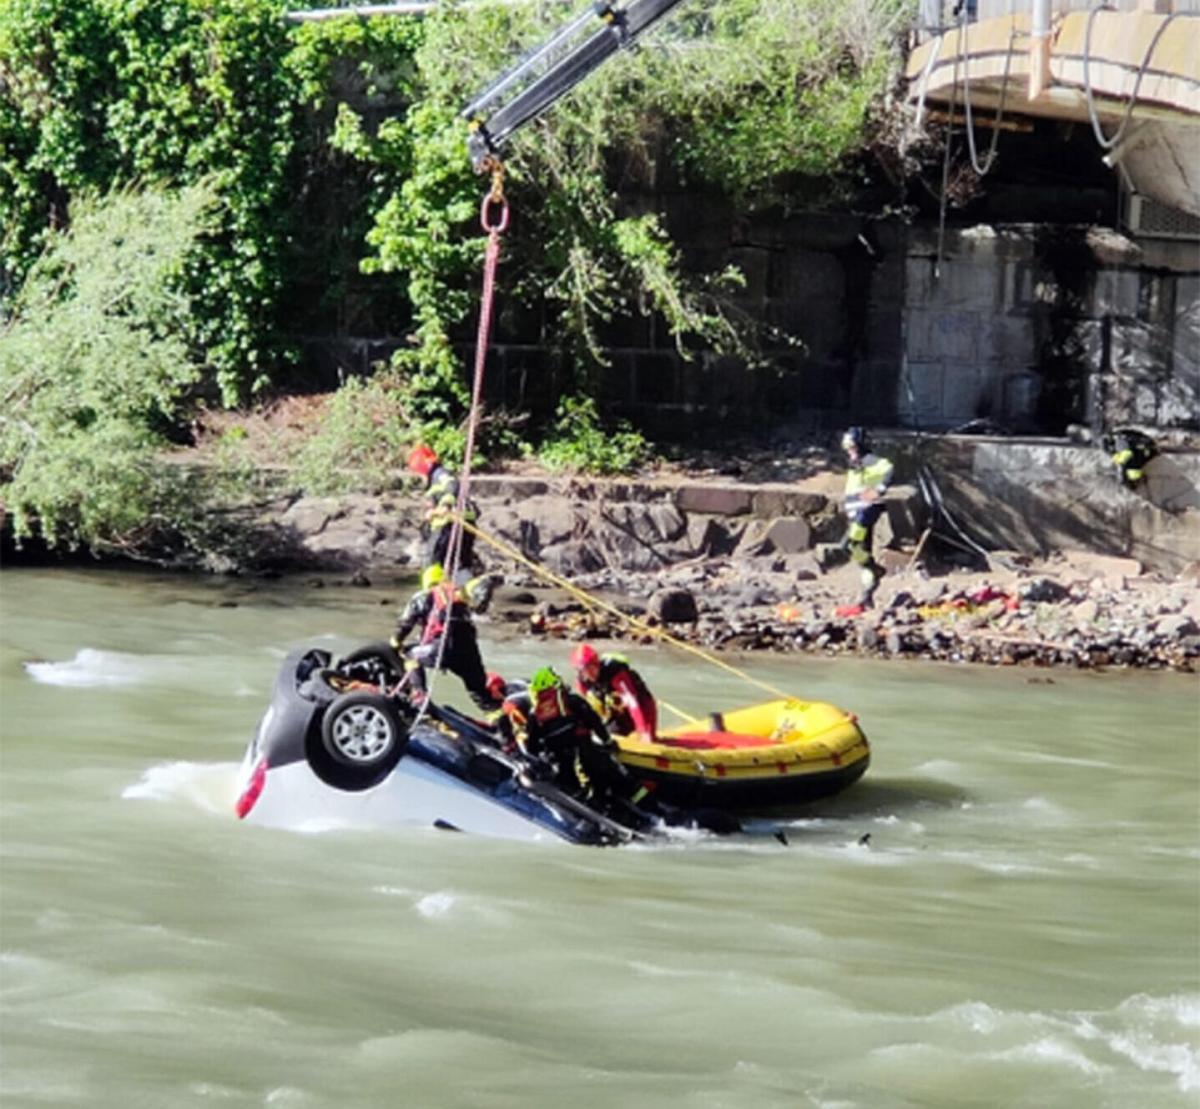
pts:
[393, 891]
[286, 1095]
[657, 970]
[864, 854]
[1173, 852]
[1148, 1036]
[1053, 1051]
[208, 786]
[993, 865]
[434, 905]
[1044, 807]
[978, 1016]
[1181, 1059]
[94, 669]
[941, 768]
[214, 1091]
[1156, 1034]
[1067, 760]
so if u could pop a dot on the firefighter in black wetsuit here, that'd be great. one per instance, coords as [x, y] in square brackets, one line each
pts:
[1130, 450]
[435, 605]
[558, 729]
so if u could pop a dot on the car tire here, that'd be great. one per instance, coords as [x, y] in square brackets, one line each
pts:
[363, 734]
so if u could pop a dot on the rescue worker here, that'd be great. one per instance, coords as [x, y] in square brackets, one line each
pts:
[557, 729]
[435, 605]
[441, 505]
[616, 691]
[867, 479]
[1130, 450]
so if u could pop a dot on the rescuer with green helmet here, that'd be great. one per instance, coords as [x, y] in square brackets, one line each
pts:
[867, 479]
[558, 730]
[440, 607]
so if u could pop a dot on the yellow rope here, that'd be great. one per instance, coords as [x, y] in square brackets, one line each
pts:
[647, 629]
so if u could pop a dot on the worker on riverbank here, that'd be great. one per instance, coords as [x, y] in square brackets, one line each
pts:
[1130, 450]
[438, 607]
[617, 692]
[557, 729]
[867, 479]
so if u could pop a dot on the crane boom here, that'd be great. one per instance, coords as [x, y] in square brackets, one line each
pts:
[553, 69]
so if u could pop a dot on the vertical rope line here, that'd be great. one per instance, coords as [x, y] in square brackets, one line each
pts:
[491, 258]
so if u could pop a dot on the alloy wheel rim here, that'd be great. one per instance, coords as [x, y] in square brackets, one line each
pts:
[362, 733]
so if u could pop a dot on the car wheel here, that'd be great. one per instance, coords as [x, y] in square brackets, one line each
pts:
[362, 731]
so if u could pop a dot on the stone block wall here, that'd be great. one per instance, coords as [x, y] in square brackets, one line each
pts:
[1026, 328]
[1029, 328]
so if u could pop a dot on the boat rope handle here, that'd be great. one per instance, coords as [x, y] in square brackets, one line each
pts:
[591, 601]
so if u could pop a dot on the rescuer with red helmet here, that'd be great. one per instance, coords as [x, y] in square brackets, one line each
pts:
[617, 691]
[441, 507]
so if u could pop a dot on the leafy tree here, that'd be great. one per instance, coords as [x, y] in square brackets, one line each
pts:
[96, 93]
[96, 359]
[740, 96]
[338, 166]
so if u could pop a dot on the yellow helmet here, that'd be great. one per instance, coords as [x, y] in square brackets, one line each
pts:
[432, 576]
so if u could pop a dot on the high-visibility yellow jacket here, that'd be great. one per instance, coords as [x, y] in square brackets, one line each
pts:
[872, 472]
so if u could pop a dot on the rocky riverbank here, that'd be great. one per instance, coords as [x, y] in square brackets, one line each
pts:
[1077, 611]
[743, 554]
[731, 564]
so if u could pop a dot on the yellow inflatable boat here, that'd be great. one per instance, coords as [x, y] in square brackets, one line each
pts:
[771, 754]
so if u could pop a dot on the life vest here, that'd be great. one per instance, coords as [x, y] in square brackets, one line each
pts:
[610, 702]
[1130, 450]
[872, 472]
[545, 734]
[446, 604]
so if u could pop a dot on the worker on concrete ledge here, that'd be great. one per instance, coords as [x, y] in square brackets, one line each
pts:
[1130, 450]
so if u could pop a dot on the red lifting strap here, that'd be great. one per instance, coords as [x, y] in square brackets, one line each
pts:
[493, 216]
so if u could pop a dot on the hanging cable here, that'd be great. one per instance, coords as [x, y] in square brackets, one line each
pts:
[1105, 142]
[965, 51]
[493, 217]
[942, 201]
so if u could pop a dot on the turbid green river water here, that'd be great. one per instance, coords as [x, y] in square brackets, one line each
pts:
[1022, 927]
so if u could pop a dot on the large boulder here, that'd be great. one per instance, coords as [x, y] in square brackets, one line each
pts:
[674, 606]
[572, 558]
[532, 524]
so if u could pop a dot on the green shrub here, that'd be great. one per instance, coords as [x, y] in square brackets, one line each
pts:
[362, 439]
[96, 360]
[578, 441]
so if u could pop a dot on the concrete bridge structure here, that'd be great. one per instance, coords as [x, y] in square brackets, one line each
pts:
[1130, 71]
